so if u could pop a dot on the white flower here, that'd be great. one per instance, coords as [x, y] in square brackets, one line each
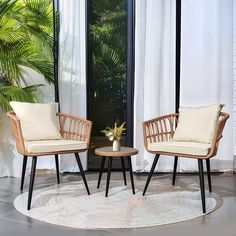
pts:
[111, 138]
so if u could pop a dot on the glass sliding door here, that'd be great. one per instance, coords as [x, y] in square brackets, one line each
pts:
[107, 70]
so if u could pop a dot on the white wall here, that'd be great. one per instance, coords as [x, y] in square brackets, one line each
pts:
[234, 77]
[234, 72]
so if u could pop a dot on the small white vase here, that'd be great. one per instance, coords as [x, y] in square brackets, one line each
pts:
[116, 146]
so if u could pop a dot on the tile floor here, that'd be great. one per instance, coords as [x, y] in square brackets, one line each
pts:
[221, 222]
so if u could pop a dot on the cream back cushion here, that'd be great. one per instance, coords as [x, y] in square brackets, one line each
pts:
[38, 121]
[197, 124]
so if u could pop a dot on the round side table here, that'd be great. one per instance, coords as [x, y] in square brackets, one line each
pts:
[107, 152]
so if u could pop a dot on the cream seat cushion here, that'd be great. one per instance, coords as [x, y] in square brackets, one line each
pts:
[191, 148]
[38, 121]
[42, 146]
[197, 124]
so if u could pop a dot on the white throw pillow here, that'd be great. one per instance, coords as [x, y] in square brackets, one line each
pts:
[38, 121]
[197, 124]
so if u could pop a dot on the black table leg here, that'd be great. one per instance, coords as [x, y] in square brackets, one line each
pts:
[101, 171]
[108, 174]
[123, 169]
[131, 174]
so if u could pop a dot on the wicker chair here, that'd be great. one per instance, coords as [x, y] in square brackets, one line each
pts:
[71, 128]
[162, 129]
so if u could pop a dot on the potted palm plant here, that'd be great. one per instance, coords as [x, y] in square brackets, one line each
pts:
[25, 42]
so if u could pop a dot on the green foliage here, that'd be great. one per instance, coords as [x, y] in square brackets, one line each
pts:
[107, 62]
[14, 93]
[108, 42]
[26, 40]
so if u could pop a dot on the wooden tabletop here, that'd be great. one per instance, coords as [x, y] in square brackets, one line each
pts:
[108, 152]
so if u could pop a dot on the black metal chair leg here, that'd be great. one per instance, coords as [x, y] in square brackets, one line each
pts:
[131, 174]
[108, 174]
[175, 168]
[57, 169]
[82, 171]
[151, 173]
[209, 174]
[101, 171]
[31, 185]
[201, 178]
[25, 158]
[123, 169]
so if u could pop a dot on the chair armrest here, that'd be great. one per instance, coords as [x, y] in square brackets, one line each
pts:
[17, 132]
[159, 129]
[218, 133]
[74, 127]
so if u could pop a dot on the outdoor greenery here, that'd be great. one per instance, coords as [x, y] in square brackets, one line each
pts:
[26, 40]
[108, 40]
[107, 62]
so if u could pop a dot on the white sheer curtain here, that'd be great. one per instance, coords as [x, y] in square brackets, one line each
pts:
[154, 71]
[72, 59]
[206, 76]
[206, 69]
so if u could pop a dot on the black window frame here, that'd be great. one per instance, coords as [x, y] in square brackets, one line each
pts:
[130, 59]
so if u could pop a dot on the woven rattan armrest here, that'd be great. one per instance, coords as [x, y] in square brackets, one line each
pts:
[218, 133]
[74, 127]
[159, 129]
[16, 131]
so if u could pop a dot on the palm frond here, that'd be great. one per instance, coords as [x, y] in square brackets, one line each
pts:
[9, 31]
[108, 41]
[15, 93]
[6, 6]
[25, 39]
[15, 55]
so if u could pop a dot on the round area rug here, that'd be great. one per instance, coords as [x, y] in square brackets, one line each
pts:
[69, 205]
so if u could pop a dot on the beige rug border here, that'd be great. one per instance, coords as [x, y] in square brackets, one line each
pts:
[219, 203]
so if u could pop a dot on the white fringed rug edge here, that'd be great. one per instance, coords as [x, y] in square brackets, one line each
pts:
[69, 205]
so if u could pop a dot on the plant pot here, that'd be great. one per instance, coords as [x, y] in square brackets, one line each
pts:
[116, 146]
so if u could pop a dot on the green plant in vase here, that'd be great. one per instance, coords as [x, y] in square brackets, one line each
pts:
[114, 135]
